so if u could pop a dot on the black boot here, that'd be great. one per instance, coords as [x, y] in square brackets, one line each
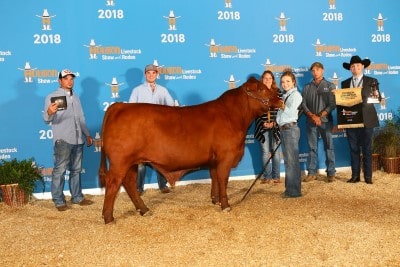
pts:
[354, 180]
[368, 180]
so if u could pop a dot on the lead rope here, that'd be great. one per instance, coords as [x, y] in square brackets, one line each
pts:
[262, 171]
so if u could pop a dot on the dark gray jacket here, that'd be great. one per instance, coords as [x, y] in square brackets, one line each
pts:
[318, 98]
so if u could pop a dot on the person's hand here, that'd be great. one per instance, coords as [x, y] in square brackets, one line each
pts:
[52, 109]
[89, 141]
[268, 125]
[323, 113]
[316, 119]
[281, 105]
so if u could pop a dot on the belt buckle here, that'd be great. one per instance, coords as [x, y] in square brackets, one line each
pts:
[287, 125]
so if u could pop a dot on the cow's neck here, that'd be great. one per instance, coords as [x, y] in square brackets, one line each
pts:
[237, 110]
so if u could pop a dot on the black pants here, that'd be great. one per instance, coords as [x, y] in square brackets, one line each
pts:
[360, 140]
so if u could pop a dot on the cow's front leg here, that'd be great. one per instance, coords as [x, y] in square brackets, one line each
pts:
[129, 184]
[223, 198]
[223, 172]
[113, 183]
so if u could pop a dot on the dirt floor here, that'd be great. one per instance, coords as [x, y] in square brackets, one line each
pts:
[333, 224]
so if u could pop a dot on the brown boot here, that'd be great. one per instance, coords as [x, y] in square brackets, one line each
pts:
[165, 190]
[309, 178]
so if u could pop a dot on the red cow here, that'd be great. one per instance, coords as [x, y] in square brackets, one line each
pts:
[176, 140]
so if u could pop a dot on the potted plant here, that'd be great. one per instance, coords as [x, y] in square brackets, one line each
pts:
[18, 180]
[386, 142]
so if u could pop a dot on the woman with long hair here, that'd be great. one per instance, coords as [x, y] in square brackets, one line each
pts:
[267, 133]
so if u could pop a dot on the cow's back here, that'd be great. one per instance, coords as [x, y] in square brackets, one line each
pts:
[175, 137]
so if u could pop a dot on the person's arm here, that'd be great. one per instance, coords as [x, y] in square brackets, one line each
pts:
[315, 118]
[377, 90]
[304, 102]
[89, 140]
[49, 110]
[331, 102]
[168, 99]
[82, 121]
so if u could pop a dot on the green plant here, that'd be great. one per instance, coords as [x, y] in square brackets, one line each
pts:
[386, 140]
[24, 172]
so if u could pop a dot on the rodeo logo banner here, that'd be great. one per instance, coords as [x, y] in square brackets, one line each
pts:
[349, 108]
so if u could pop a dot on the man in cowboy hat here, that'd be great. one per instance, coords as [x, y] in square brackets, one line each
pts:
[362, 137]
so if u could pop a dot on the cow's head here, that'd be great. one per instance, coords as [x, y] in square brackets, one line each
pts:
[257, 90]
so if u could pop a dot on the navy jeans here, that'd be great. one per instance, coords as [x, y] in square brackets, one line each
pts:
[290, 149]
[325, 130]
[271, 171]
[66, 157]
[360, 137]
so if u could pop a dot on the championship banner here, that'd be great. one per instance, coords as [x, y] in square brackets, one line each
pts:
[349, 108]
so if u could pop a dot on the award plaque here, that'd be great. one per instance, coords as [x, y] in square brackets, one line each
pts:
[61, 102]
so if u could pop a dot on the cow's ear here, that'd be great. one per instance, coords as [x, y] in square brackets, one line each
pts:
[252, 79]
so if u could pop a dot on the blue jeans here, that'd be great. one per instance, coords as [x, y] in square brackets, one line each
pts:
[290, 149]
[271, 170]
[360, 137]
[325, 130]
[66, 157]
[162, 182]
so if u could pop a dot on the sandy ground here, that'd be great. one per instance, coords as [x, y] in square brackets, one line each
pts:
[333, 224]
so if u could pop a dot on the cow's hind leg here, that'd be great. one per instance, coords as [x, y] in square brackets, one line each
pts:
[113, 183]
[129, 184]
[214, 187]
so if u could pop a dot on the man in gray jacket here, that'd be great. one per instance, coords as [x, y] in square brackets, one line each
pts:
[318, 104]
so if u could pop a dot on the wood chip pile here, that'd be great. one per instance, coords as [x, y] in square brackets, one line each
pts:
[333, 224]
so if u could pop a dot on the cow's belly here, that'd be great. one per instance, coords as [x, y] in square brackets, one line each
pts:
[174, 159]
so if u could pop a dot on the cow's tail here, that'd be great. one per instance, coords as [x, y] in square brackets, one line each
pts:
[103, 157]
[103, 169]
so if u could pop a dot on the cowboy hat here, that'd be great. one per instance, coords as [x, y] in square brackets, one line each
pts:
[356, 59]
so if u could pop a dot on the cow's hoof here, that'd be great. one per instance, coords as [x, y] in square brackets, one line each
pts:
[146, 213]
[109, 221]
[215, 201]
[227, 209]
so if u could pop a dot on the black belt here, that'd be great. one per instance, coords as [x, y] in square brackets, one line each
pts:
[287, 125]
